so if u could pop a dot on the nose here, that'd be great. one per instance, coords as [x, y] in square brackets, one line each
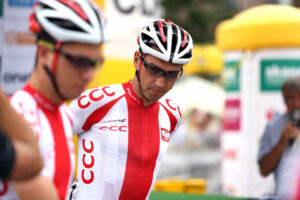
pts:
[160, 82]
[88, 74]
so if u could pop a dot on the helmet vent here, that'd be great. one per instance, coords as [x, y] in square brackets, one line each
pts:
[65, 24]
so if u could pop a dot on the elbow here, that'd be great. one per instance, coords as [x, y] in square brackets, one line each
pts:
[264, 172]
[40, 164]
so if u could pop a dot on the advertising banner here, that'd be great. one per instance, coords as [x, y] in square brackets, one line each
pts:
[275, 71]
[126, 19]
[253, 98]
[232, 140]
[1, 9]
[1, 33]
[231, 76]
[18, 45]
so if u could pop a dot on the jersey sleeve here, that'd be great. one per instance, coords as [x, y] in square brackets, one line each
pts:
[90, 104]
[174, 114]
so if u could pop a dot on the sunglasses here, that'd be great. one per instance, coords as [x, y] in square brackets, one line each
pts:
[158, 72]
[82, 62]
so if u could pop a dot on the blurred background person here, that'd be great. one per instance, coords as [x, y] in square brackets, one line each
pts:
[278, 151]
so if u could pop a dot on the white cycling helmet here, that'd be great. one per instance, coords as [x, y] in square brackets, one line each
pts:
[69, 21]
[174, 44]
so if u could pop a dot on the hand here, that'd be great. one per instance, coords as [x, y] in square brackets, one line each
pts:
[290, 131]
[74, 190]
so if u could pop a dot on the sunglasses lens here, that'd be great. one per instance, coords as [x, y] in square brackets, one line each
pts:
[82, 62]
[172, 75]
[157, 72]
[154, 71]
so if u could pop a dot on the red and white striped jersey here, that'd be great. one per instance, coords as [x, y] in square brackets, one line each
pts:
[52, 125]
[121, 143]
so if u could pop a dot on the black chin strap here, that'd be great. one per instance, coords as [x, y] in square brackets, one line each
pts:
[138, 77]
[53, 80]
[142, 55]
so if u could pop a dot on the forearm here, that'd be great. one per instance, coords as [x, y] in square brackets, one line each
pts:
[40, 187]
[27, 164]
[269, 162]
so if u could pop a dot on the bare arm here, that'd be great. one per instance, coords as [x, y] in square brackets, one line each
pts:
[269, 162]
[28, 161]
[40, 187]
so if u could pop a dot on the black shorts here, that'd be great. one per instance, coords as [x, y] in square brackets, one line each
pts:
[7, 155]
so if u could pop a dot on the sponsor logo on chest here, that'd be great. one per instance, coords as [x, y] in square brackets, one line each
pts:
[113, 125]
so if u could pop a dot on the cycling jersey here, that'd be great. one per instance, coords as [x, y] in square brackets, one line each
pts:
[121, 143]
[52, 125]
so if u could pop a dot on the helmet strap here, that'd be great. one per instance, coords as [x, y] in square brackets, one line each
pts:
[138, 72]
[51, 73]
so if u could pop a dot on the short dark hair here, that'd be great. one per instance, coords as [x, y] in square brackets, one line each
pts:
[291, 84]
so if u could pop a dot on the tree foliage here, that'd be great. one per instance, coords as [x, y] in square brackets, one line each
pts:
[199, 17]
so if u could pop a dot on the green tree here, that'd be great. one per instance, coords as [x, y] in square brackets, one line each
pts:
[199, 17]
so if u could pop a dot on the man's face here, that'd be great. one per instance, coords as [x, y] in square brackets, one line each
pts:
[73, 75]
[153, 85]
[292, 100]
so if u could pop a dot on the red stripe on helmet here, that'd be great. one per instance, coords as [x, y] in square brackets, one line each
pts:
[35, 4]
[34, 26]
[184, 33]
[161, 30]
[184, 38]
[74, 6]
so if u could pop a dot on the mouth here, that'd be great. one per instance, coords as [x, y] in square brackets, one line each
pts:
[81, 87]
[156, 91]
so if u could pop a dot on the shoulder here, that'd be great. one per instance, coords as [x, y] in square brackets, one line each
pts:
[170, 106]
[26, 105]
[276, 125]
[23, 101]
[98, 96]
[278, 121]
[173, 112]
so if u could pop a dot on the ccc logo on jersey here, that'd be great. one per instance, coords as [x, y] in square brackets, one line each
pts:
[95, 95]
[114, 128]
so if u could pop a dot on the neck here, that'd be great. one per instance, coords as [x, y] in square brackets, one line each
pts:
[137, 90]
[42, 83]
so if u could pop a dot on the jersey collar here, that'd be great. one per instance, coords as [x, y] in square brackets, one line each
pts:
[40, 99]
[130, 92]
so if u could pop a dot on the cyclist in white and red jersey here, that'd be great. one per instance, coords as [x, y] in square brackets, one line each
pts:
[124, 129]
[70, 34]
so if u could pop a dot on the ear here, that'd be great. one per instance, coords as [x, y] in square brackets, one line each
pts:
[136, 60]
[43, 55]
